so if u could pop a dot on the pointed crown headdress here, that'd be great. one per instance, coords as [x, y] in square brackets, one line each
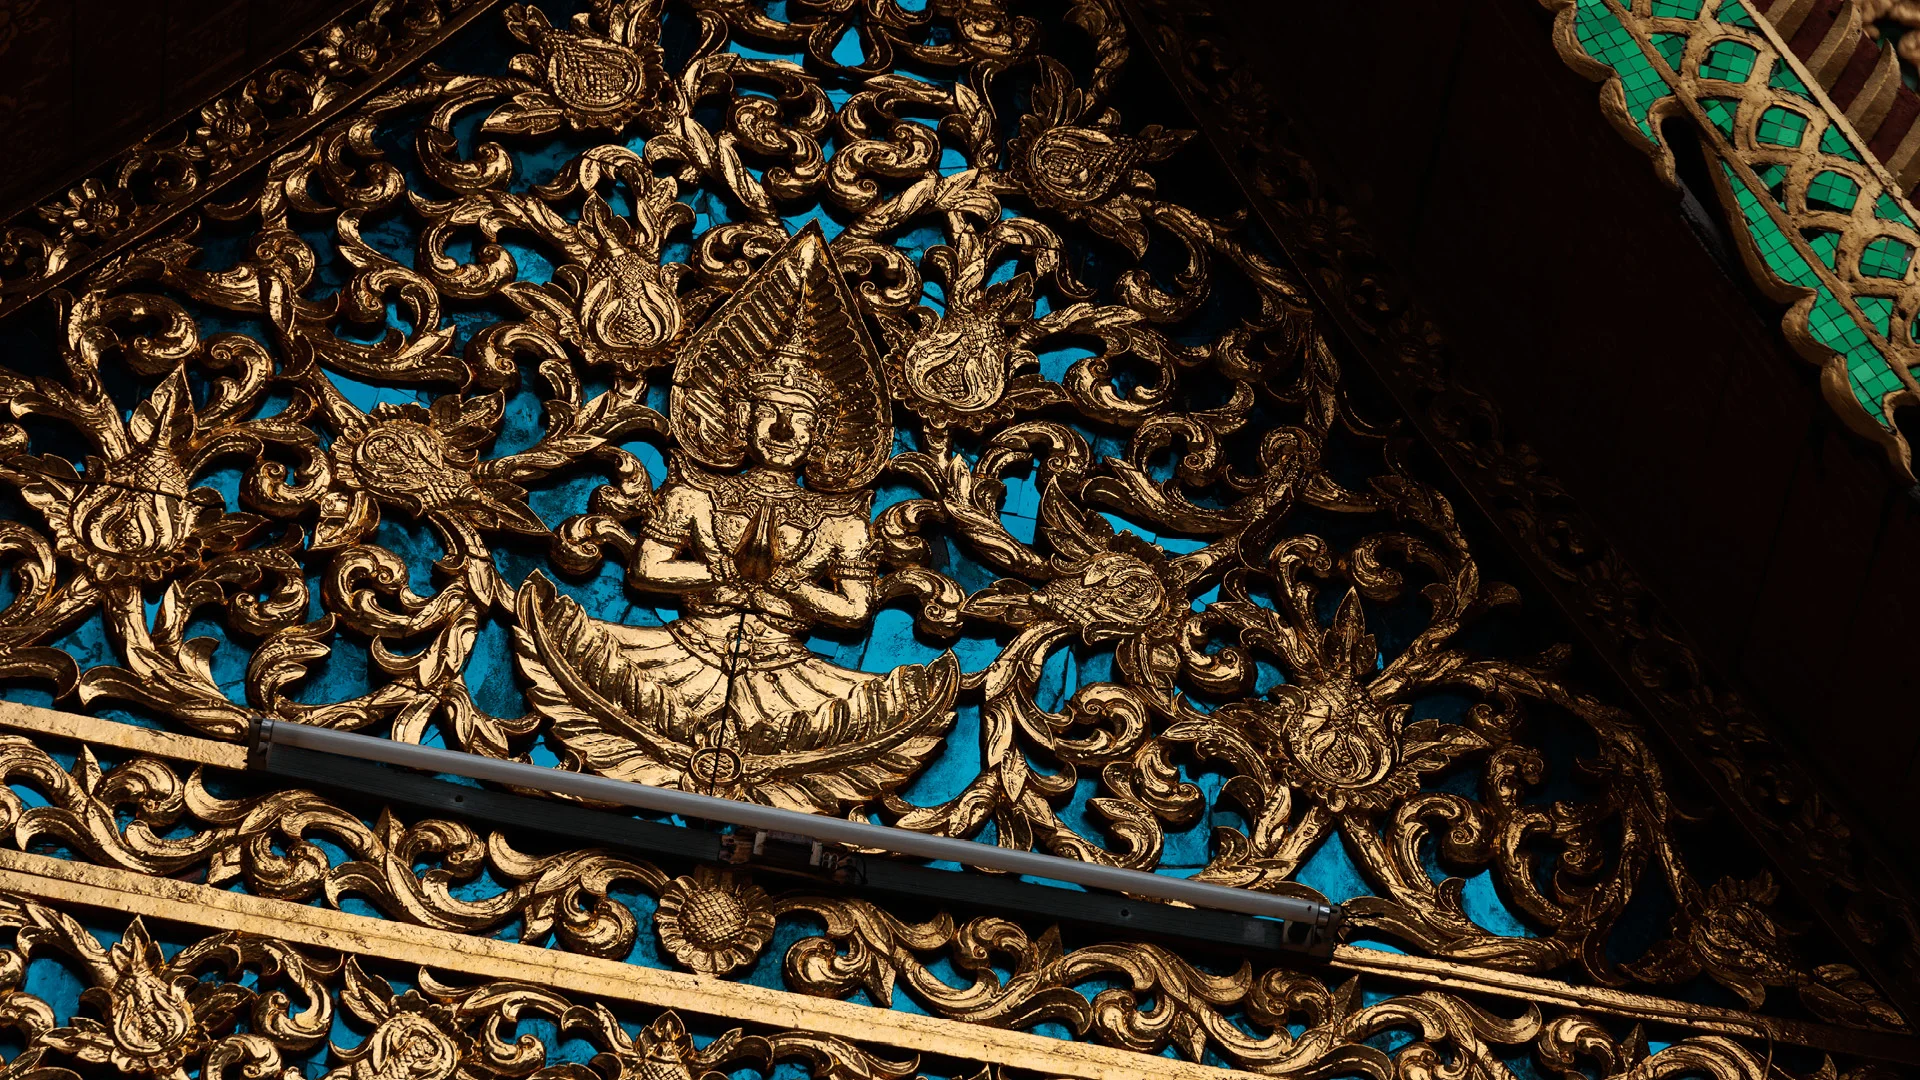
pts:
[791, 332]
[788, 377]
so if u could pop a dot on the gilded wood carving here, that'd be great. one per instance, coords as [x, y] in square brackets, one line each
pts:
[603, 402]
[1822, 224]
[236, 1002]
[1854, 887]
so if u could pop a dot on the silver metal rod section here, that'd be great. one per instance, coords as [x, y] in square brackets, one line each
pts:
[272, 733]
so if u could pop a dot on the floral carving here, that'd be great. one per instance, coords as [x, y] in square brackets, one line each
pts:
[713, 921]
[449, 1024]
[620, 304]
[159, 1014]
[132, 514]
[600, 73]
[1337, 733]
[92, 210]
[423, 461]
[414, 1037]
[1072, 157]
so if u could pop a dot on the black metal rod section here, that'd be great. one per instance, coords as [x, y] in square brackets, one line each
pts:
[998, 894]
[271, 733]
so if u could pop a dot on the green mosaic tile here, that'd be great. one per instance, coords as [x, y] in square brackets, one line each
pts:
[1774, 177]
[1879, 311]
[1828, 321]
[1733, 13]
[1781, 256]
[1832, 191]
[1720, 113]
[1604, 39]
[1676, 9]
[1825, 244]
[1781, 127]
[1729, 61]
[1671, 47]
[1783, 78]
[1832, 142]
[1872, 382]
[1886, 257]
[1887, 208]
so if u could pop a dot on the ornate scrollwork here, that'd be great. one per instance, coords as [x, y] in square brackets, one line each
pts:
[143, 188]
[157, 1017]
[1771, 791]
[269, 1008]
[1105, 432]
[1126, 994]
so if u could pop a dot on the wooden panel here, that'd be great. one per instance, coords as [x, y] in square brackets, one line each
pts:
[1876, 682]
[118, 75]
[1380, 105]
[1817, 566]
[206, 49]
[1608, 331]
[36, 95]
[82, 79]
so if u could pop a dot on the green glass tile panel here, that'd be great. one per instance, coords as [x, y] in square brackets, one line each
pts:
[1885, 257]
[1781, 256]
[1825, 243]
[1730, 61]
[1783, 78]
[1879, 311]
[1887, 208]
[1832, 191]
[1832, 142]
[1733, 13]
[1774, 177]
[1829, 322]
[1676, 9]
[1671, 48]
[1781, 127]
[1720, 113]
[1604, 39]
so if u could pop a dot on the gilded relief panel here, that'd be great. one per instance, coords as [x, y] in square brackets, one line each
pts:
[881, 410]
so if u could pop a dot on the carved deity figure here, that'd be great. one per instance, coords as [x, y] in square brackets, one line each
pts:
[760, 560]
[781, 415]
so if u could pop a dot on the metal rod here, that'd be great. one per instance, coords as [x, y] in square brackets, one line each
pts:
[271, 733]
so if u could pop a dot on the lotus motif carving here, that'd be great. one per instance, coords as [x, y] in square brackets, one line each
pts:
[133, 514]
[601, 72]
[423, 461]
[1069, 156]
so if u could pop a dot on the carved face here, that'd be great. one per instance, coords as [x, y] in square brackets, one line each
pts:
[779, 433]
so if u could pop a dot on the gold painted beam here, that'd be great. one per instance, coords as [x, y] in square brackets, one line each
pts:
[42, 878]
[92, 729]
[1646, 1008]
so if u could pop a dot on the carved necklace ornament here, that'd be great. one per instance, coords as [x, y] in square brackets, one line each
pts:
[537, 409]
